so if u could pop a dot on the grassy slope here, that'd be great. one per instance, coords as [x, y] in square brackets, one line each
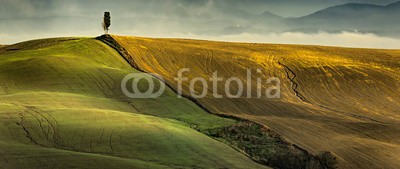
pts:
[350, 102]
[61, 106]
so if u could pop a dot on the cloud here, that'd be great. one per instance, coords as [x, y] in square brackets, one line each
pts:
[25, 8]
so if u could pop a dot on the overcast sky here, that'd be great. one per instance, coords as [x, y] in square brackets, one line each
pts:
[286, 8]
[22, 20]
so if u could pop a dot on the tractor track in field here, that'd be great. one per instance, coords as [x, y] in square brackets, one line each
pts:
[364, 118]
[10, 121]
[40, 125]
[52, 125]
[110, 140]
[90, 140]
[108, 94]
[105, 73]
[101, 136]
[48, 126]
[25, 129]
[99, 86]
[209, 57]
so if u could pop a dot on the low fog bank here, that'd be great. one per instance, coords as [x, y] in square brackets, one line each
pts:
[344, 39]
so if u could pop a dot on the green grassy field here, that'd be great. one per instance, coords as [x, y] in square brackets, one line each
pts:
[341, 100]
[61, 106]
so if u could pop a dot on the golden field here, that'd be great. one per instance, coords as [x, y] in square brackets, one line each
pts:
[343, 100]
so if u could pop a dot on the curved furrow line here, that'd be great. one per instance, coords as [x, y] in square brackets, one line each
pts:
[110, 140]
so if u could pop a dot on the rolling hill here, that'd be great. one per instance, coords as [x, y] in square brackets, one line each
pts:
[343, 100]
[61, 106]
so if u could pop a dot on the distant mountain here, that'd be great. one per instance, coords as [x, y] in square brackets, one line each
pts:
[394, 5]
[381, 20]
[270, 16]
[354, 10]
